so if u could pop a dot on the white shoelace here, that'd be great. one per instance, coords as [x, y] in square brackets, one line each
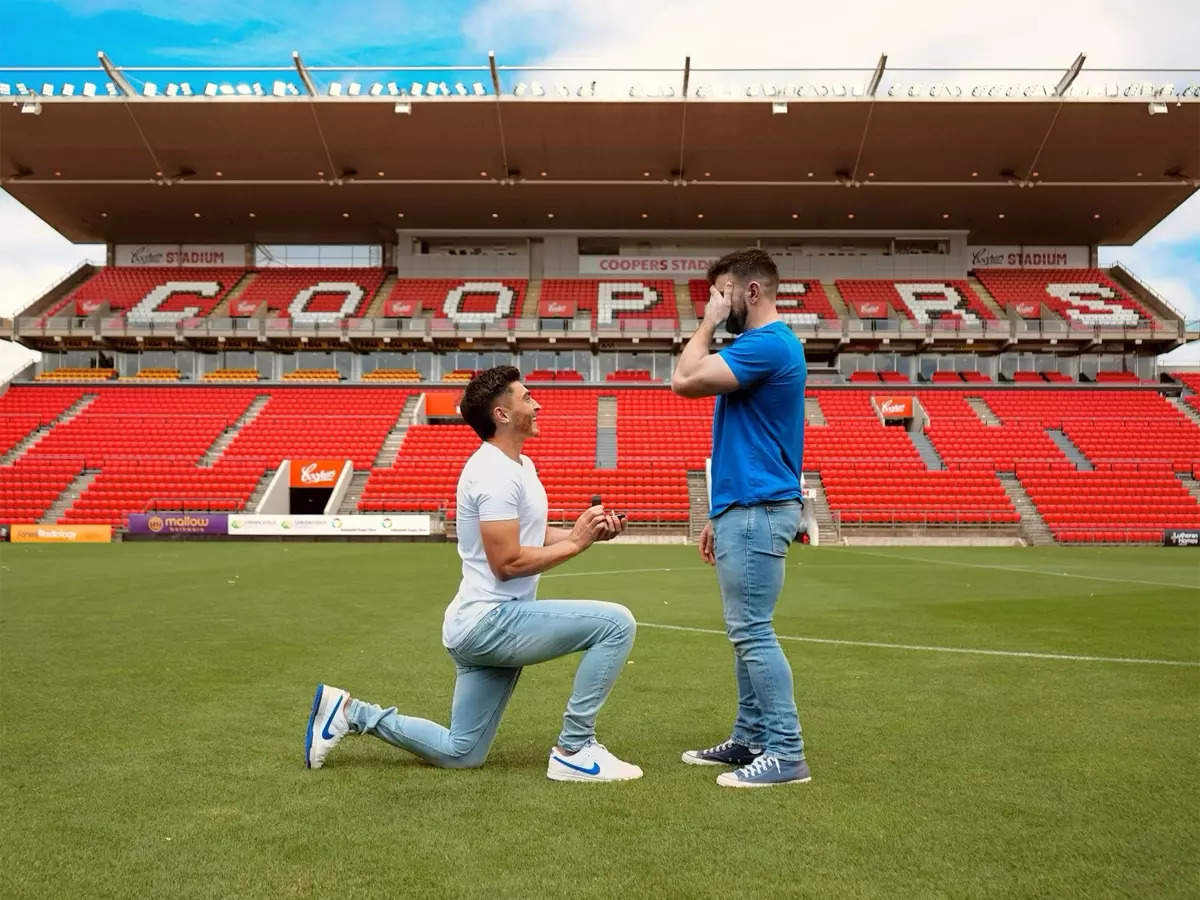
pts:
[720, 748]
[759, 766]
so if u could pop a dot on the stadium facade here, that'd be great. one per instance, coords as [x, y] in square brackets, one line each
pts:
[296, 270]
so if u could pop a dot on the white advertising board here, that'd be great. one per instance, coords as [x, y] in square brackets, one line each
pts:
[329, 526]
[185, 256]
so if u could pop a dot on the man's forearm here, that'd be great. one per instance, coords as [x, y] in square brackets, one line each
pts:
[696, 350]
[535, 560]
[554, 535]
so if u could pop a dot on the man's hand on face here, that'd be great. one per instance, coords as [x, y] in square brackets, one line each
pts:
[720, 302]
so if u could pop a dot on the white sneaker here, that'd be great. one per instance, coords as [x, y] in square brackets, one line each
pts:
[592, 762]
[327, 724]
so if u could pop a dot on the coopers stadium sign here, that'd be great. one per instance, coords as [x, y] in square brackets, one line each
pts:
[1023, 257]
[692, 266]
[180, 255]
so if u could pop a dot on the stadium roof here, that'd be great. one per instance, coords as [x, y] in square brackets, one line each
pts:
[353, 169]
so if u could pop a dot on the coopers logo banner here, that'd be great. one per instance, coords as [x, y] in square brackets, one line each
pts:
[179, 523]
[556, 309]
[870, 309]
[895, 407]
[316, 472]
[61, 534]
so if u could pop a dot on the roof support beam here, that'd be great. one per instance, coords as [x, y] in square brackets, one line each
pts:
[1069, 77]
[878, 76]
[305, 78]
[115, 75]
[687, 74]
[499, 115]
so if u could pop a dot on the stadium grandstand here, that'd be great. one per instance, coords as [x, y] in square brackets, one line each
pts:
[316, 278]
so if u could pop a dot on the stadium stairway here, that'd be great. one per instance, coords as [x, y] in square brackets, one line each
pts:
[986, 297]
[697, 504]
[685, 309]
[1190, 482]
[1070, 451]
[927, 451]
[820, 508]
[386, 458]
[259, 490]
[221, 310]
[31, 440]
[226, 437]
[1033, 526]
[1180, 404]
[70, 494]
[354, 493]
[836, 300]
[533, 298]
[375, 309]
[981, 409]
[813, 415]
[606, 433]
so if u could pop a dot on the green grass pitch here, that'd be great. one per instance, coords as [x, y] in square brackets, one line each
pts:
[154, 697]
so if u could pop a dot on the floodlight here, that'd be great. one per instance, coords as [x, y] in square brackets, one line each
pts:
[172, 89]
[839, 90]
[1164, 89]
[753, 90]
[111, 89]
[292, 90]
[668, 90]
[417, 89]
[21, 89]
[149, 89]
[393, 89]
[185, 89]
[375, 90]
[444, 89]
[431, 89]
[244, 90]
[477, 87]
[538, 90]
[227, 90]
[278, 89]
[355, 89]
[258, 89]
[769, 89]
[460, 89]
[68, 90]
[779, 109]
[1155, 109]
[31, 108]
[5, 90]
[210, 90]
[335, 89]
[522, 87]
[402, 108]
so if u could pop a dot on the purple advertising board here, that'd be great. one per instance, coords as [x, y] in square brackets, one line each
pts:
[179, 523]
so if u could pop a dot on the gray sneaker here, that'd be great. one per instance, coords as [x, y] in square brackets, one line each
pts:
[767, 771]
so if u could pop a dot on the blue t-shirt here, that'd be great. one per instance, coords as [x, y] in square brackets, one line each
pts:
[758, 430]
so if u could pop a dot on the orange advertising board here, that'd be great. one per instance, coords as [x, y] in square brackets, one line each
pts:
[895, 407]
[313, 473]
[61, 534]
[441, 404]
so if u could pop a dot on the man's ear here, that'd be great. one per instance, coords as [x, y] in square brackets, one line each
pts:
[753, 292]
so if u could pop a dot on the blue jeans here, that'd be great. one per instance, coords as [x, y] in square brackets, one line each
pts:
[489, 661]
[751, 549]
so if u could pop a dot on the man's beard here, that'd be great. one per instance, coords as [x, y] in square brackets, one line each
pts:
[735, 322]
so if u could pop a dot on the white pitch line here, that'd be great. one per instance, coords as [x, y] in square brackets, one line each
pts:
[934, 649]
[950, 562]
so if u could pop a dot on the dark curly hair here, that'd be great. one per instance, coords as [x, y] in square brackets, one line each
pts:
[479, 398]
[748, 264]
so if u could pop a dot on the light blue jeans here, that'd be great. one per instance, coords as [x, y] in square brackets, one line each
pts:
[751, 549]
[489, 661]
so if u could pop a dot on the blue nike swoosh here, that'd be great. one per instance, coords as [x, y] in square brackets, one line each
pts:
[594, 770]
[325, 730]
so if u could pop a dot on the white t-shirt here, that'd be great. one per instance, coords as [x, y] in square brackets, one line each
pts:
[492, 488]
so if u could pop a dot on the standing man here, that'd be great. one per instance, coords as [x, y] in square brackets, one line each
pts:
[495, 625]
[758, 442]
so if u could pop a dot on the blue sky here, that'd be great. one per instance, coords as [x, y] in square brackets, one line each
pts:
[615, 33]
